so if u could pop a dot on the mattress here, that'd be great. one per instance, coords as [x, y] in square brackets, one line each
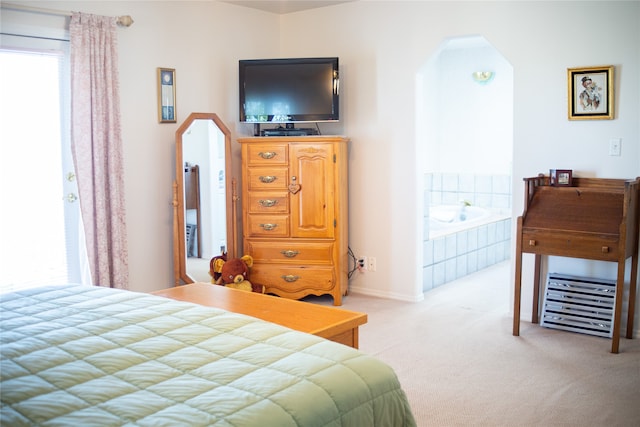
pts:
[82, 355]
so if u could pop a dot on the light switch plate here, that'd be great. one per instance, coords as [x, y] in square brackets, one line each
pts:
[615, 146]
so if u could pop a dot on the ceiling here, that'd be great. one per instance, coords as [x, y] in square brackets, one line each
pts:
[282, 7]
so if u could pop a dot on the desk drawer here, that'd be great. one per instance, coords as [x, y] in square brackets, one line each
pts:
[290, 251]
[570, 244]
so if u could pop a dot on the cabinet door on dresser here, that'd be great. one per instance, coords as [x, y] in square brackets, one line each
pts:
[295, 214]
[312, 207]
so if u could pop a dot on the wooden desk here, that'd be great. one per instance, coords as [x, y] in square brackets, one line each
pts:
[593, 219]
[327, 322]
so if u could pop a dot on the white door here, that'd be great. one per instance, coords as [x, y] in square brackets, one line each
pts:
[41, 239]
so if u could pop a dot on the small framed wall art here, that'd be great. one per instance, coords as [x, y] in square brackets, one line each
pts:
[166, 95]
[591, 93]
[561, 177]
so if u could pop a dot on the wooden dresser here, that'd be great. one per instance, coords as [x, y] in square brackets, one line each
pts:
[592, 219]
[295, 214]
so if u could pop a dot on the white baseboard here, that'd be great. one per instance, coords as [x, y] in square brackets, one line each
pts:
[383, 294]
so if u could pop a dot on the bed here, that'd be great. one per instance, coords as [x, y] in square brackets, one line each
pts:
[85, 355]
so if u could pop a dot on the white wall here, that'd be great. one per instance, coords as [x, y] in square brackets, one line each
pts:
[474, 122]
[381, 45]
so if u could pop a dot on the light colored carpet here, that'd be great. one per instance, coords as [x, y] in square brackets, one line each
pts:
[460, 365]
[198, 269]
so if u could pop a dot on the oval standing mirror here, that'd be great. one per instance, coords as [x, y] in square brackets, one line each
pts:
[204, 199]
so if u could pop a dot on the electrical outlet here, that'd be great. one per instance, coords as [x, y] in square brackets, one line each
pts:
[372, 264]
[362, 263]
[615, 146]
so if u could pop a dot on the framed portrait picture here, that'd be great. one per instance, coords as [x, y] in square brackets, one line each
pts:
[166, 95]
[591, 93]
[561, 177]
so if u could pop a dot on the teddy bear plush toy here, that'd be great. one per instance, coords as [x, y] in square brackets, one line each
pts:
[233, 273]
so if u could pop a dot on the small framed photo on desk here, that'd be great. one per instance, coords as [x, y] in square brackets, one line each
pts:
[561, 177]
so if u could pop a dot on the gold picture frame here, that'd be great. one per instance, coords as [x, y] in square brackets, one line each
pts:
[167, 95]
[591, 93]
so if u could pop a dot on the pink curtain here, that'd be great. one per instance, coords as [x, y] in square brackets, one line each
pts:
[97, 146]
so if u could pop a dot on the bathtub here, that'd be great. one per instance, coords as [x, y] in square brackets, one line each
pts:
[449, 219]
[456, 245]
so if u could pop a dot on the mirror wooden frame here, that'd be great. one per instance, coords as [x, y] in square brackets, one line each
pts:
[181, 275]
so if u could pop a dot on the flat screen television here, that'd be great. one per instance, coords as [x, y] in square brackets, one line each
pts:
[294, 90]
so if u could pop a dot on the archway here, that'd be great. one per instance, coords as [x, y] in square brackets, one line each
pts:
[465, 144]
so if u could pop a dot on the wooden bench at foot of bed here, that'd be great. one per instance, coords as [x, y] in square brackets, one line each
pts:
[334, 324]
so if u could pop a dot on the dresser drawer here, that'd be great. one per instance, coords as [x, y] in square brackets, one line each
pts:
[292, 279]
[268, 178]
[570, 244]
[267, 225]
[266, 154]
[268, 202]
[289, 251]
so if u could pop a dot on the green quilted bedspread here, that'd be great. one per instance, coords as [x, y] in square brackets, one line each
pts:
[78, 355]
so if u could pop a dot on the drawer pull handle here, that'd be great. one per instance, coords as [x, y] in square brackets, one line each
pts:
[532, 242]
[290, 278]
[268, 203]
[267, 179]
[268, 227]
[267, 154]
[605, 249]
[289, 253]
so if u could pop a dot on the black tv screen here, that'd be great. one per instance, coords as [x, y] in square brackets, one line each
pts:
[289, 90]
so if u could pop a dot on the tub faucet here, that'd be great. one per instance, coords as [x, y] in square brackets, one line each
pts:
[462, 213]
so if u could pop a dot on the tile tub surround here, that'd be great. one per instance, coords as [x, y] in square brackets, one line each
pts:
[452, 256]
[456, 255]
[487, 191]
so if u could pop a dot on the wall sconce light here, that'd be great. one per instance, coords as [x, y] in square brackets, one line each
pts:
[483, 77]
